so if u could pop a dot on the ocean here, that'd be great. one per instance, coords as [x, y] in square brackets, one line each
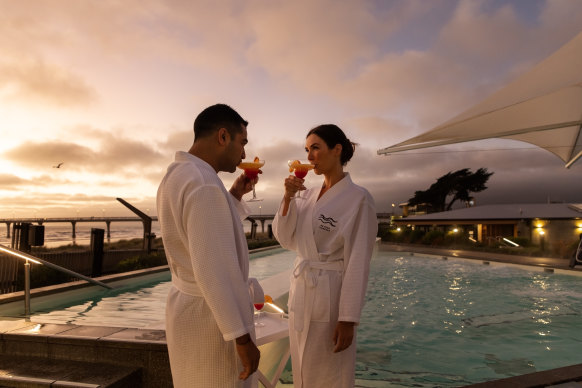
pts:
[58, 234]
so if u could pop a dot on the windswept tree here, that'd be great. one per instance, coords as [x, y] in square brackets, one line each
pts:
[453, 186]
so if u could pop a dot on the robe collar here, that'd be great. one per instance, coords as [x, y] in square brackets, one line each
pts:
[183, 156]
[334, 190]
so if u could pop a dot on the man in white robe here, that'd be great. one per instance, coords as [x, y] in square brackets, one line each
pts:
[209, 312]
[334, 237]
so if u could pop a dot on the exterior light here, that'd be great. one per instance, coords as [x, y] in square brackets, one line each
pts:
[455, 230]
[541, 231]
[511, 242]
[398, 229]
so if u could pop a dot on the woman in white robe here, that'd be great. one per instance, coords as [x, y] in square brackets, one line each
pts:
[332, 229]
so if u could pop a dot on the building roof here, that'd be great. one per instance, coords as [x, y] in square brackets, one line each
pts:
[504, 212]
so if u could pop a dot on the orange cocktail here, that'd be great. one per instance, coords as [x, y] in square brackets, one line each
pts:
[251, 170]
[299, 169]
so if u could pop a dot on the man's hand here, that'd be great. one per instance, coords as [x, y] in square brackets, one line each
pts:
[249, 355]
[343, 335]
[242, 185]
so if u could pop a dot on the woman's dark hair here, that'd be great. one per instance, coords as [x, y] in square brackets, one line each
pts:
[332, 135]
[218, 116]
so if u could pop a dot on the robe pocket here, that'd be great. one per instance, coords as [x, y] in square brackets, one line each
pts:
[321, 302]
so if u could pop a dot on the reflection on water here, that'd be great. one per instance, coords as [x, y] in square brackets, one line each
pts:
[430, 322]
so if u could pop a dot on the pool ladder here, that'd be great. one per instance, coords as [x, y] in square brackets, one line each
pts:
[36, 260]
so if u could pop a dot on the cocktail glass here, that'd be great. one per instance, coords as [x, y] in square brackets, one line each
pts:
[300, 169]
[251, 170]
[259, 307]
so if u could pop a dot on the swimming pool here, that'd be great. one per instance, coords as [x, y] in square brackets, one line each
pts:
[133, 304]
[427, 322]
[430, 322]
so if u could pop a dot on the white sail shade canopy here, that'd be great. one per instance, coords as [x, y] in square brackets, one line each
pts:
[542, 107]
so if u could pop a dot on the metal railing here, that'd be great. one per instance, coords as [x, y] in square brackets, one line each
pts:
[36, 260]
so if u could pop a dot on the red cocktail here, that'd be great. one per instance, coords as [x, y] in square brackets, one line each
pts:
[300, 170]
[251, 170]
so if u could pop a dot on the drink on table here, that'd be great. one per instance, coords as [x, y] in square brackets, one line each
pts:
[259, 307]
[251, 170]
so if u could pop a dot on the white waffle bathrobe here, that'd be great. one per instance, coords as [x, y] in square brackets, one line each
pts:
[208, 305]
[334, 238]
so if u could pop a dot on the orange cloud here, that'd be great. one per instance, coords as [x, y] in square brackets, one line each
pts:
[42, 83]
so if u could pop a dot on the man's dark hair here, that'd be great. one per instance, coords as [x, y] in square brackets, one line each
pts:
[215, 117]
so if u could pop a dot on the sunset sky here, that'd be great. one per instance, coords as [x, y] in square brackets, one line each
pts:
[111, 89]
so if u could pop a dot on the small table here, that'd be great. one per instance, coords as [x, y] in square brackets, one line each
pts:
[273, 341]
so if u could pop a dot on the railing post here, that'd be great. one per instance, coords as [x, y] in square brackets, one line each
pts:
[150, 238]
[253, 230]
[27, 288]
[145, 219]
[97, 251]
[23, 243]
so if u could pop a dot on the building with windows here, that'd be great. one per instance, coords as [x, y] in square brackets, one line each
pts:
[540, 223]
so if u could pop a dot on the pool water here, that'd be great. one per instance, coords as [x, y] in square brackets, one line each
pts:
[140, 305]
[430, 322]
[427, 322]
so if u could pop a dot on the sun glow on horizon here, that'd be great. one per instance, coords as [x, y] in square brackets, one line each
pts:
[114, 99]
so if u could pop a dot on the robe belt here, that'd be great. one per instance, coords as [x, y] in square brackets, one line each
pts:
[186, 287]
[192, 289]
[306, 273]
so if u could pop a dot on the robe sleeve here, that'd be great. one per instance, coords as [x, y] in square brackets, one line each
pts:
[214, 259]
[358, 247]
[243, 209]
[284, 226]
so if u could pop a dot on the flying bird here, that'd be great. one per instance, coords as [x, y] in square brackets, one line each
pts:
[59, 165]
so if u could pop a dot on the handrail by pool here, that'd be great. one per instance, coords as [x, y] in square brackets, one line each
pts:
[36, 260]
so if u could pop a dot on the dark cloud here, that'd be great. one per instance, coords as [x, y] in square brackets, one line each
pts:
[43, 83]
[180, 140]
[526, 174]
[11, 182]
[57, 199]
[113, 155]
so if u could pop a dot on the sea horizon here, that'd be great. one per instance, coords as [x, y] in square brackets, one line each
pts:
[60, 233]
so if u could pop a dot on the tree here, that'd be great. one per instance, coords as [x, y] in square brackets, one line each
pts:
[457, 185]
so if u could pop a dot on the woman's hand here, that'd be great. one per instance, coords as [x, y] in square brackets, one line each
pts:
[343, 335]
[292, 186]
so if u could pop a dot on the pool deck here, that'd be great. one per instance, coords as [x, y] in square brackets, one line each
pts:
[143, 352]
[565, 377]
